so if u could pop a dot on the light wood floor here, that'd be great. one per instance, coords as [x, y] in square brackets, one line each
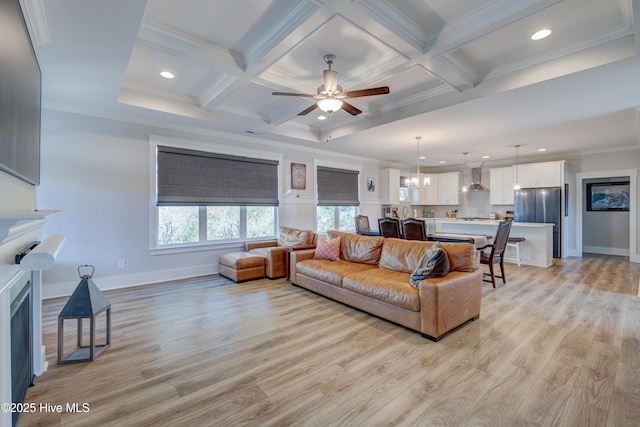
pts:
[556, 346]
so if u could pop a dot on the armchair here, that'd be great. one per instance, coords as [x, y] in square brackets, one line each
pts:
[276, 252]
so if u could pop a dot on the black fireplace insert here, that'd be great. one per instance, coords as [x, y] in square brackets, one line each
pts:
[21, 332]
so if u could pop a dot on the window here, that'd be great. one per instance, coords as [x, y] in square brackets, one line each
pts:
[204, 197]
[183, 225]
[336, 218]
[337, 199]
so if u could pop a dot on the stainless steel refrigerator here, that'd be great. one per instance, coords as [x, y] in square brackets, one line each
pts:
[540, 205]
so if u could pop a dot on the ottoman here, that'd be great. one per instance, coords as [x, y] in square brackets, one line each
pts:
[241, 266]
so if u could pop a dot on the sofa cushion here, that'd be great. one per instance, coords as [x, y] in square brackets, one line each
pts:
[434, 263]
[330, 271]
[405, 255]
[328, 249]
[384, 285]
[357, 248]
[288, 237]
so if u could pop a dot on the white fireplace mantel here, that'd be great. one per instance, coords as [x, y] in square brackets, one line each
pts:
[14, 223]
[17, 230]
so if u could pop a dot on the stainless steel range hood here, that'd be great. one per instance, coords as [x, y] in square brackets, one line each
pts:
[476, 185]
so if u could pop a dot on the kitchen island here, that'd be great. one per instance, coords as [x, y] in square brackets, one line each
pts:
[536, 250]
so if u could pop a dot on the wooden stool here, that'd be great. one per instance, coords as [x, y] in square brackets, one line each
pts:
[241, 266]
[514, 242]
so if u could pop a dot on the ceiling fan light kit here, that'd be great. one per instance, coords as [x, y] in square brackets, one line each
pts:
[330, 95]
[330, 105]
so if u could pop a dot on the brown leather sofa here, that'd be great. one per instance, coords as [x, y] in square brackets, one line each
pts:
[373, 275]
[276, 251]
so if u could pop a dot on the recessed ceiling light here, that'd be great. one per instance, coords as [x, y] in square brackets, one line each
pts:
[423, 157]
[442, 162]
[322, 117]
[542, 149]
[486, 157]
[167, 74]
[539, 35]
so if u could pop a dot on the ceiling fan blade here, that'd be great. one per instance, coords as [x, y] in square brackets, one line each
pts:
[383, 90]
[308, 110]
[305, 95]
[354, 111]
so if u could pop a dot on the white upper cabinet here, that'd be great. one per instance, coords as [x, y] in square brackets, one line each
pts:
[537, 175]
[432, 189]
[390, 186]
[501, 191]
[448, 184]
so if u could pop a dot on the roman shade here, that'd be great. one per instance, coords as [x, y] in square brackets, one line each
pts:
[337, 187]
[191, 177]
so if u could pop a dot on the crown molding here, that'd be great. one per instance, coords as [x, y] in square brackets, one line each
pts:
[481, 22]
[607, 36]
[36, 19]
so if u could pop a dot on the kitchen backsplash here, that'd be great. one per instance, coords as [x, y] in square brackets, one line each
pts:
[472, 204]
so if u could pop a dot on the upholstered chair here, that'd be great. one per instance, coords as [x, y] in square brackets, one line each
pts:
[390, 227]
[414, 229]
[276, 252]
[362, 226]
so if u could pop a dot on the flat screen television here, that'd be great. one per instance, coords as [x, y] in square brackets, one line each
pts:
[20, 95]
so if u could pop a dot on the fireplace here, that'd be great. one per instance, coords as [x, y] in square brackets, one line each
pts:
[21, 338]
[21, 302]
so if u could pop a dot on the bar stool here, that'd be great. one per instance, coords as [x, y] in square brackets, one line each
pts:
[514, 242]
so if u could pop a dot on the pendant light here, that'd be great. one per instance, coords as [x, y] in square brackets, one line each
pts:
[516, 185]
[465, 188]
[415, 182]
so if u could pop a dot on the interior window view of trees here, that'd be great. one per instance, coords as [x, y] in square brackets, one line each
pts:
[180, 225]
[336, 218]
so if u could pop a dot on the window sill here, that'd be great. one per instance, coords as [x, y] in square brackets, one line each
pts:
[169, 250]
[237, 245]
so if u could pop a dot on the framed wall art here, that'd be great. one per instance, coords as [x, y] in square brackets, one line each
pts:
[371, 184]
[298, 176]
[608, 196]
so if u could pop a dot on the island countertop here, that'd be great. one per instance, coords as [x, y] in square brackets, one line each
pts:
[494, 222]
[536, 249]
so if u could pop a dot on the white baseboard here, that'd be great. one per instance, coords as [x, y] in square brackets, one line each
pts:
[605, 251]
[54, 290]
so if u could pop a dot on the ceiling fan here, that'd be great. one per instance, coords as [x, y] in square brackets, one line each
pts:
[330, 95]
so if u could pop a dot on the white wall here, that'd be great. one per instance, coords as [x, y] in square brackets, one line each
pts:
[97, 172]
[16, 195]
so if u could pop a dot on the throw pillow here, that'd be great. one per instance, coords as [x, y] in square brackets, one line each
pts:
[328, 249]
[435, 263]
[289, 237]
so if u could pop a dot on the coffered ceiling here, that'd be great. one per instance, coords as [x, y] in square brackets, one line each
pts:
[464, 75]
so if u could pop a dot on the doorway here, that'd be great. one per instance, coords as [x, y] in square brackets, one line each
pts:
[581, 179]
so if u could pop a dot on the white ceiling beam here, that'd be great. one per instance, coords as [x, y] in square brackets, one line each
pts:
[163, 39]
[295, 15]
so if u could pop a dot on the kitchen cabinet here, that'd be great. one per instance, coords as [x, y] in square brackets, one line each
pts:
[426, 195]
[538, 175]
[501, 191]
[389, 186]
[448, 188]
